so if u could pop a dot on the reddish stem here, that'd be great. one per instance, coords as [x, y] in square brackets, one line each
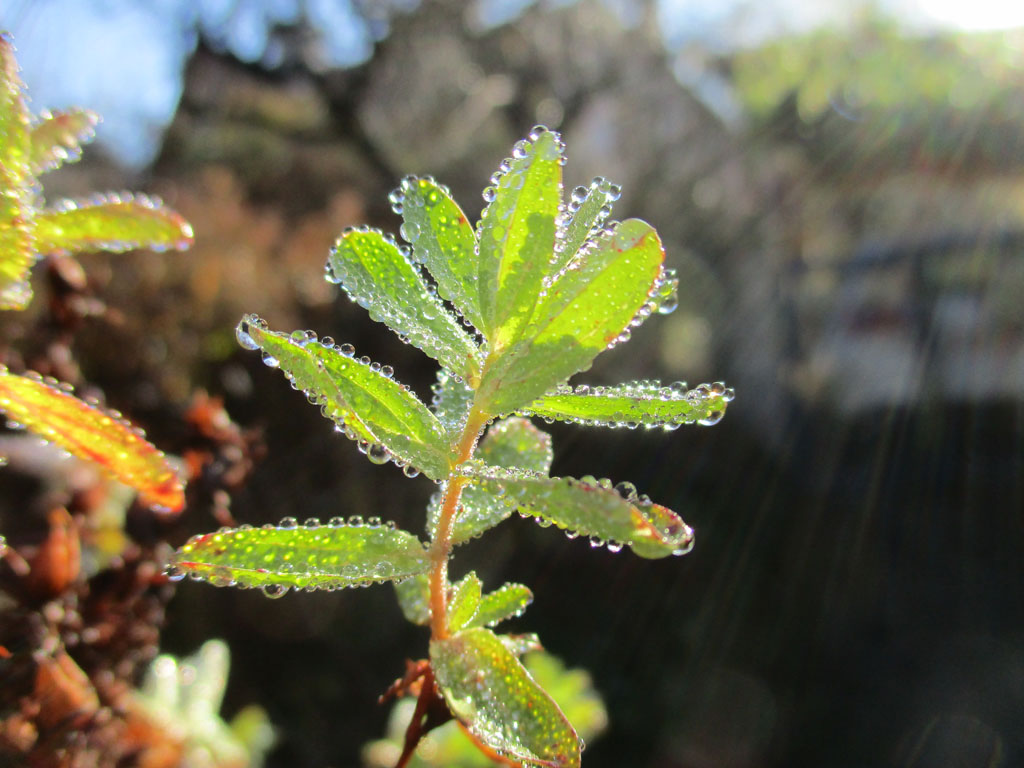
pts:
[441, 546]
[416, 730]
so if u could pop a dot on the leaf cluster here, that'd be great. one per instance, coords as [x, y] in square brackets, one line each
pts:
[29, 229]
[510, 308]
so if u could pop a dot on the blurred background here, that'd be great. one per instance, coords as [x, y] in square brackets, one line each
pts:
[841, 188]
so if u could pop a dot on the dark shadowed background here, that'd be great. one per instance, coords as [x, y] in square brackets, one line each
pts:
[842, 193]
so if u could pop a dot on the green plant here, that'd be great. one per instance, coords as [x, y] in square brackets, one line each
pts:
[29, 229]
[185, 696]
[547, 286]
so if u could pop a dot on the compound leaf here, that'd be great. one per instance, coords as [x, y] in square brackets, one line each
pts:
[586, 308]
[612, 515]
[509, 443]
[366, 403]
[504, 603]
[414, 598]
[517, 237]
[465, 602]
[311, 556]
[111, 223]
[16, 248]
[58, 137]
[489, 690]
[91, 433]
[379, 277]
[647, 403]
[443, 240]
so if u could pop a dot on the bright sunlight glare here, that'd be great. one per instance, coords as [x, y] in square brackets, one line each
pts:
[977, 15]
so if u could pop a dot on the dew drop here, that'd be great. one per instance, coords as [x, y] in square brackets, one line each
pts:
[410, 471]
[244, 339]
[626, 490]
[330, 275]
[288, 522]
[409, 230]
[220, 576]
[711, 419]
[347, 350]
[174, 573]
[274, 591]
[355, 521]
[489, 194]
[312, 522]
[378, 454]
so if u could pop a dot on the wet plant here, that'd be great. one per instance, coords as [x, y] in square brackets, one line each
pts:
[82, 600]
[541, 286]
[29, 229]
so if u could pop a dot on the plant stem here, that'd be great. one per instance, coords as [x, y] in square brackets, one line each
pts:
[441, 546]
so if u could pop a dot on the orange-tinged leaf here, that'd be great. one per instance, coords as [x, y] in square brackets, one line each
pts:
[92, 433]
[111, 223]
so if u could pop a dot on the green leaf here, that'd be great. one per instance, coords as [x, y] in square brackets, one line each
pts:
[311, 556]
[504, 603]
[449, 747]
[16, 248]
[103, 437]
[520, 645]
[414, 598]
[508, 443]
[464, 602]
[57, 138]
[573, 689]
[646, 403]
[362, 399]
[516, 442]
[615, 516]
[451, 403]
[379, 277]
[489, 690]
[111, 223]
[517, 236]
[589, 208]
[443, 240]
[587, 308]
